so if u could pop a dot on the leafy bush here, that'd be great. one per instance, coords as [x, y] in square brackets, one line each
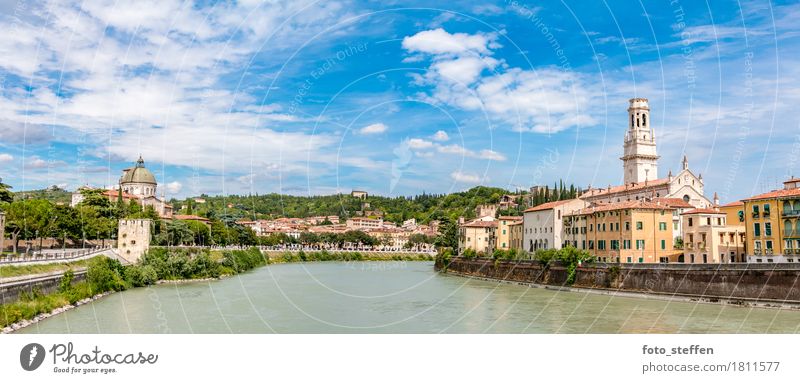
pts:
[105, 274]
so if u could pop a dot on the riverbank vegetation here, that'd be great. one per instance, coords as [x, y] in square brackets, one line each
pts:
[346, 256]
[569, 257]
[108, 275]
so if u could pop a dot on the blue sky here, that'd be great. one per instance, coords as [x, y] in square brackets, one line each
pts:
[395, 98]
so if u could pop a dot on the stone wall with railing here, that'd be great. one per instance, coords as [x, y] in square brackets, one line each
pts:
[739, 283]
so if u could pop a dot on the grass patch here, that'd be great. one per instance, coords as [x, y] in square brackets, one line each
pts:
[16, 271]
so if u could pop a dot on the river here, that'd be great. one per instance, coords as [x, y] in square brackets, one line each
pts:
[394, 297]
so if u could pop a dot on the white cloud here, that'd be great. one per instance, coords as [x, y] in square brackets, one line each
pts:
[150, 79]
[374, 128]
[174, 187]
[5, 157]
[464, 75]
[441, 135]
[491, 155]
[418, 143]
[462, 177]
[438, 42]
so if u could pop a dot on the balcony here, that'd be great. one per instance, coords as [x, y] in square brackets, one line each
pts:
[689, 246]
[701, 245]
[755, 214]
[768, 251]
[757, 252]
[766, 213]
[790, 213]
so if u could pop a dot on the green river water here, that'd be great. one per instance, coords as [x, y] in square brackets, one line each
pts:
[394, 297]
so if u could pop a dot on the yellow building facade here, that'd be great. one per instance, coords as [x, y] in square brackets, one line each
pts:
[630, 232]
[772, 225]
[504, 231]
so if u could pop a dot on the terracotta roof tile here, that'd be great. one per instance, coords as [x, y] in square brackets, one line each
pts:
[623, 188]
[775, 194]
[480, 224]
[511, 217]
[548, 205]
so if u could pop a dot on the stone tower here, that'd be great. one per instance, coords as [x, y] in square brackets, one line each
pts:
[640, 161]
[133, 238]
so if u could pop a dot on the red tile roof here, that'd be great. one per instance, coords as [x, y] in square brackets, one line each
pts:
[115, 193]
[548, 205]
[511, 217]
[734, 203]
[480, 224]
[624, 188]
[775, 194]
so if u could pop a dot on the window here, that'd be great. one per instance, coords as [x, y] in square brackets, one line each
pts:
[627, 226]
[690, 221]
[639, 244]
[769, 245]
[757, 229]
[601, 245]
[663, 244]
[638, 225]
[630, 259]
[755, 210]
[767, 229]
[766, 209]
[614, 244]
[708, 221]
[705, 258]
[626, 244]
[641, 259]
[662, 226]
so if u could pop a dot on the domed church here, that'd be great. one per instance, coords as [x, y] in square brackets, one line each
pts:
[141, 184]
[138, 180]
[138, 184]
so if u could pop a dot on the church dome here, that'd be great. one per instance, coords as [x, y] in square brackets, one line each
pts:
[137, 174]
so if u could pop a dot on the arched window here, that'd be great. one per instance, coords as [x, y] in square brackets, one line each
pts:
[631, 120]
[787, 206]
[787, 228]
[644, 120]
[797, 227]
[796, 205]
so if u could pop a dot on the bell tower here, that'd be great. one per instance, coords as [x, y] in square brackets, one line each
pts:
[640, 161]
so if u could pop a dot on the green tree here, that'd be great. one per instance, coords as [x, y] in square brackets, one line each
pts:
[5, 192]
[26, 218]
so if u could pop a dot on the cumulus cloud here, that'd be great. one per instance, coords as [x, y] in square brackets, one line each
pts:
[439, 42]
[5, 157]
[468, 178]
[374, 129]
[441, 135]
[174, 187]
[418, 143]
[463, 74]
[150, 78]
[421, 147]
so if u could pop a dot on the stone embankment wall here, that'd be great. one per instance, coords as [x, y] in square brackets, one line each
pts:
[766, 284]
[10, 290]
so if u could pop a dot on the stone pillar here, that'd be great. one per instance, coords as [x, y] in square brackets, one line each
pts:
[133, 238]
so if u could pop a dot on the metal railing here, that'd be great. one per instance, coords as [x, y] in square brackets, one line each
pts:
[47, 256]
